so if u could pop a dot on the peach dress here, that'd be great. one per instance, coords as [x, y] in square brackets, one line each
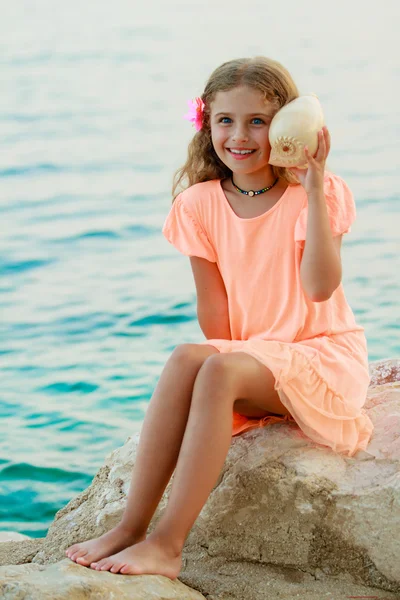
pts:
[316, 351]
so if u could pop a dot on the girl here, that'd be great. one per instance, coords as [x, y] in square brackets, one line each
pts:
[282, 342]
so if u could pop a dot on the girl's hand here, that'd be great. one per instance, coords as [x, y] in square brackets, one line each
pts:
[312, 178]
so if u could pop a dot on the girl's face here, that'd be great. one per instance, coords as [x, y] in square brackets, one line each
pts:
[240, 120]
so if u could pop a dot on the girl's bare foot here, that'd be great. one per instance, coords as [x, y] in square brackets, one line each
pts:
[114, 540]
[148, 557]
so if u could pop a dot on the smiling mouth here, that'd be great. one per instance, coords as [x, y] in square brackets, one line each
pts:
[240, 153]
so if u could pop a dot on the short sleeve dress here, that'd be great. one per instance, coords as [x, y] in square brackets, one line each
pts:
[315, 350]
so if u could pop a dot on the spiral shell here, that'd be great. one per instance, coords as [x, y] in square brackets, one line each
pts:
[291, 149]
[294, 126]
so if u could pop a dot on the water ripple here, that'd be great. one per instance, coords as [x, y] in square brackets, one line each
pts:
[46, 168]
[62, 387]
[16, 267]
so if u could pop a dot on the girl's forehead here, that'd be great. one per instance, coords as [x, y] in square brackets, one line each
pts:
[241, 100]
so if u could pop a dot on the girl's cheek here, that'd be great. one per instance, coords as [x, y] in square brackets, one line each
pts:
[217, 139]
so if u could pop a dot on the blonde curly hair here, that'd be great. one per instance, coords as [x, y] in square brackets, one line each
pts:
[260, 73]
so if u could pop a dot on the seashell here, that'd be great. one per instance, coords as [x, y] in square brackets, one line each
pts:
[294, 126]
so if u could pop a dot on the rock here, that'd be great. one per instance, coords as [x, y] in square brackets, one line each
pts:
[384, 371]
[221, 580]
[12, 536]
[12, 553]
[234, 580]
[19, 552]
[66, 580]
[287, 518]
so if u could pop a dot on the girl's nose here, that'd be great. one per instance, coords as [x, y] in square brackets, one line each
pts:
[240, 135]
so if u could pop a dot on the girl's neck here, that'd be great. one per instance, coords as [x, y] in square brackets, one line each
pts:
[254, 181]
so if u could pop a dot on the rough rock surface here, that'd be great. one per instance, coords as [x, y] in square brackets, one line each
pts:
[287, 518]
[19, 552]
[66, 580]
[12, 536]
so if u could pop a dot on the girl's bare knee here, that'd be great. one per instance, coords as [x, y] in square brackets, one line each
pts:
[219, 366]
[216, 369]
[192, 353]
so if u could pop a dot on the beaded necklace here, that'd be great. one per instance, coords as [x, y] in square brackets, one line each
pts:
[254, 192]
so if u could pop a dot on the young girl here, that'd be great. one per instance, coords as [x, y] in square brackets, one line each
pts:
[282, 342]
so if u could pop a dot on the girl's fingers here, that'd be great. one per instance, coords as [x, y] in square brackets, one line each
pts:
[308, 155]
[321, 150]
[322, 147]
[328, 140]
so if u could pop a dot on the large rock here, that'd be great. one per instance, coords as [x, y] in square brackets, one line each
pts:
[286, 516]
[19, 552]
[66, 580]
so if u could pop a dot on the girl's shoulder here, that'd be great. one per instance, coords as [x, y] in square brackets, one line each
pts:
[199, 193]
[334, 184]
[201, 188]
[340, 206]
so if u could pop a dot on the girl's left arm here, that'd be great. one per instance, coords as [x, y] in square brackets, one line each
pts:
[321, 267]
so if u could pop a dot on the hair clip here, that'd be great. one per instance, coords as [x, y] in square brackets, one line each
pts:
[196, 112]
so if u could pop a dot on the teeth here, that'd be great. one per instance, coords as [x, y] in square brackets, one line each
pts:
[241, 151]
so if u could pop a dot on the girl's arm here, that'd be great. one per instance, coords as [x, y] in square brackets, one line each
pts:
[212, 300]
[321, 266]
[215, 327]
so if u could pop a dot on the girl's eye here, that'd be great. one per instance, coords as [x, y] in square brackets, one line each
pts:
[222, 119]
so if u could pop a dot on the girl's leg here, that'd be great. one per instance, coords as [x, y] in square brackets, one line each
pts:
[202, 455]
[160, 441]
[203, 452]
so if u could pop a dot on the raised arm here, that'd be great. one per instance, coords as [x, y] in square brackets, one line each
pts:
[212, 300]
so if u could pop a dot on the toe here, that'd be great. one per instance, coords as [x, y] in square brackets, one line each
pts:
[106, 566]
[71, 550]
[131, 569]
[77, 555]
[100, 563]
[115, 568]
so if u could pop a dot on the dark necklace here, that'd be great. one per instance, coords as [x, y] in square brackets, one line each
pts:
[253, 192]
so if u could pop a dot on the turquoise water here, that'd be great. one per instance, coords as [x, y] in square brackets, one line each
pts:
[92, 298]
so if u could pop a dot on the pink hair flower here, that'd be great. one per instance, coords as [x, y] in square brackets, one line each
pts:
[195, 113]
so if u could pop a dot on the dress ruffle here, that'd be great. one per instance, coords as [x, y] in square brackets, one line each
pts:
[324, 415]
[329, 416]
